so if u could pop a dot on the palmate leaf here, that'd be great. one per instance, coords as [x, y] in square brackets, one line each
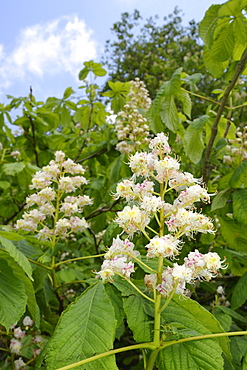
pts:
[234, 234]
[86, 328]
[188, 317]
[138, 320]
[17, 256]
[169, 113]
[195, 355]
[239, 294]
[203, 354]
[13, 298]
[215, 67]
[208, 24]
[193, 139]
[222, 48]
[240, 205]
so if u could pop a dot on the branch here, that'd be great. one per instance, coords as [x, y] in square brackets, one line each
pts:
[96, 154]
[239, 69]
[101, 210]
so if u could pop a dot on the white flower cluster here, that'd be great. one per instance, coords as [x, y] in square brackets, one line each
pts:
[179, 217]
[16, 343]
[237, 149]
[53, 183]
[197, 266]
[160, 166]
[118, 259]
[131, 126]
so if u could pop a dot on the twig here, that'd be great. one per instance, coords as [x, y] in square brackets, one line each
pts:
[239, 69]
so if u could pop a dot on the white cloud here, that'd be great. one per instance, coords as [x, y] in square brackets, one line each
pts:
[45, 49]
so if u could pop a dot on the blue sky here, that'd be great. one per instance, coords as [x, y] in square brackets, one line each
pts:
[43, 44]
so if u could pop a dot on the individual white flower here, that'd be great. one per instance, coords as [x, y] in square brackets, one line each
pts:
[47, 194]
[16, 154]
[41, 180]
[220, 290]
[34, 215]
[180, 180]
[182, 272]
[189, 222]
[15, 346]
[20, 364]
[53, 170]
[165, 246]
[27, 321]
[118, 265]
[62, 226]
[132, 219]
[70, 166]
[18, 333]
[125, 190]
[191, 195]
[121, 248]
[165, 168]
[26, 225]
[213, 262]
[151, 203]
[195, 260]
[59, 156]
[68, 208]
[160, 142]
[78, 224]
[150, 281]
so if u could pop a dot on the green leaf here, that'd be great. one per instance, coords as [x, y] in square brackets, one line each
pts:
[240, 205]
[216, 68]
[17, 256]
[83, 73]
[69, 91]
[234, 234]
[111, 232]
[113, 171]
[171, 87]
[137, 319]
[4, 185]
[239, 294]
[169, 113]
[239, 349]
[116, 299]
[99, 71]
[222, 48]
[86, 328]
[13, 168]
[233, 314]
[186, 101]
[195, 355]
[193, 144]
[13, 298]
[219, 201]
[224, 319]
[239, 176]
[208, 24]
[201, 354]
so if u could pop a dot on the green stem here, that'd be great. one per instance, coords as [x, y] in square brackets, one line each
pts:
[149, 345]
[152, 359]
[203, 97]
[200, 337]
[78, 258]
[135, 287]
[169, 298]
[150, 228]
[40, 264]
[141, 263]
